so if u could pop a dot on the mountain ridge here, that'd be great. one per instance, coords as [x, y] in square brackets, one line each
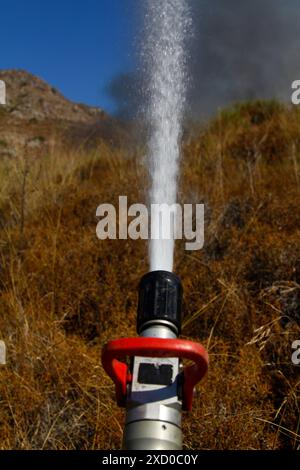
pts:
[36, 112]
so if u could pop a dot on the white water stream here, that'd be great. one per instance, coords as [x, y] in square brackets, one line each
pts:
[167, 24]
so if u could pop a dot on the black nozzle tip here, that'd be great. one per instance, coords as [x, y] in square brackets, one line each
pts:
[160, 299]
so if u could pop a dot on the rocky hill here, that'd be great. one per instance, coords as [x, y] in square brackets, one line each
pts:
[36, 113]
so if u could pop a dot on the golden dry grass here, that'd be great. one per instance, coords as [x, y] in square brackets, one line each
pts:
[63, 293]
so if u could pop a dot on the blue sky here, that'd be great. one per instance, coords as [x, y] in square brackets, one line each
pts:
[76, 46]
[249, 49]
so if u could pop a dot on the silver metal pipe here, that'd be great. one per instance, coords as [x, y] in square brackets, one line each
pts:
[161, 330]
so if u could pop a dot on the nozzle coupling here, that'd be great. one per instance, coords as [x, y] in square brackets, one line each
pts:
[160, 298]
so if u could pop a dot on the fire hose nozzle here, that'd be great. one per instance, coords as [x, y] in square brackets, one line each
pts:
[155, 387]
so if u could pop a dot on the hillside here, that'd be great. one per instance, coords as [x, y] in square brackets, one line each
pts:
[37, 115]
[63, 293]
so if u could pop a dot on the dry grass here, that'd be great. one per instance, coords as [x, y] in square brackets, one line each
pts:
[63, 293]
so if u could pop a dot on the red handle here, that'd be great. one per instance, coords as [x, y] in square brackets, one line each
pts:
[154, 347]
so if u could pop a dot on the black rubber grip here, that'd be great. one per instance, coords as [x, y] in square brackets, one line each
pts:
[160, 298]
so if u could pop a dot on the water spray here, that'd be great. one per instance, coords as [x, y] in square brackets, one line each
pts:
[155, 387]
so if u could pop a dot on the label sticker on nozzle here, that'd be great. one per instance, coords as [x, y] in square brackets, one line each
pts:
[155, 374]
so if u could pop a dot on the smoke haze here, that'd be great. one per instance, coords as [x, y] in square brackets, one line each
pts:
[239, 50]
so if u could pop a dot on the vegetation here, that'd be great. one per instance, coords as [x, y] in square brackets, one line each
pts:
[63, 293]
